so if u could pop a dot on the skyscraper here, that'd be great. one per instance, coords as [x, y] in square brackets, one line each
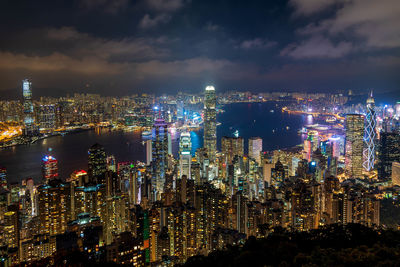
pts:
[160, 156]
[97, 163]
[29, 122]
[354, 145]
[49, 168]
[185, 158]
[210, 122]
[149, 144]
[370, 135]
[389, 152]
[255, 148]
[231, 147]
[47, 117]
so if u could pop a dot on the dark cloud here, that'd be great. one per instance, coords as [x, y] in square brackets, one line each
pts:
[125, 46]
[108, 6]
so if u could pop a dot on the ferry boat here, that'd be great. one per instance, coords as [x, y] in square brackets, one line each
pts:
[146, 133]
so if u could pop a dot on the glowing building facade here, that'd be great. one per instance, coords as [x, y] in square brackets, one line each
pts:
[159, 157]
[354, 145]
[97, 163]
[370, 135]
[49, 168]
[185, 158]
[210, 122]
[255, 148]
[231, 147]
[29, 121]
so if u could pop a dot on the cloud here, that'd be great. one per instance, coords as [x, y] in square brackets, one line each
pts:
[166, 5]
[256, 43]
[80, 44]
[317, 47]
[57, 62]
[308, 7]
[108, 6]
[373, 24]
[211, 27]
[148, 22]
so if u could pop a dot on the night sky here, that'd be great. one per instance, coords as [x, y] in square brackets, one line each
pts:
[121, 47]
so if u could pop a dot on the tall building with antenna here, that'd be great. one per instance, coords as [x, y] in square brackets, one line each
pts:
[370, 135]
[210, 122]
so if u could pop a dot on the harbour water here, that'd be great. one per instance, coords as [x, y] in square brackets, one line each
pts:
[278, 130]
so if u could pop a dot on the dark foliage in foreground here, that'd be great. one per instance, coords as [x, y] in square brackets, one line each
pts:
[333, 245]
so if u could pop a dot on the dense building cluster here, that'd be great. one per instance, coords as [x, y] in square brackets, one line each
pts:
[168, 209]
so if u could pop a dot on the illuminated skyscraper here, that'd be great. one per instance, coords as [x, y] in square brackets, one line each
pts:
[210, 122]
[29, 122]
[47, 117]
[255, 148]
[97, 163]
[231, 147]
[370, 135]
[389, 152]
[354, 145]
[160, 156]
[149, 144]
[49, 168]
[185, 158]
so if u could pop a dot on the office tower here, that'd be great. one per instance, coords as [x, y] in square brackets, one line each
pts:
[97, 163]
[370, 135]
[231, 147]
[47, 117]
[149, 152]
[389, 152]
[160, 156]
[354, 145]
[335, 144]
[29, 122]
[185, 158]
[210, 123]
[396, 173]
[307, 149]
[3, 178]
[49, 168]
[255, 148]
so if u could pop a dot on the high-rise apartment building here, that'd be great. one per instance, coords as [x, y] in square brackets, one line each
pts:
[354, 145]
[210, 122]
[255, 148]
[370, 135]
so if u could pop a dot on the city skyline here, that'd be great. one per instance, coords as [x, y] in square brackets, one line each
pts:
[124, 47]
[182, 133]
